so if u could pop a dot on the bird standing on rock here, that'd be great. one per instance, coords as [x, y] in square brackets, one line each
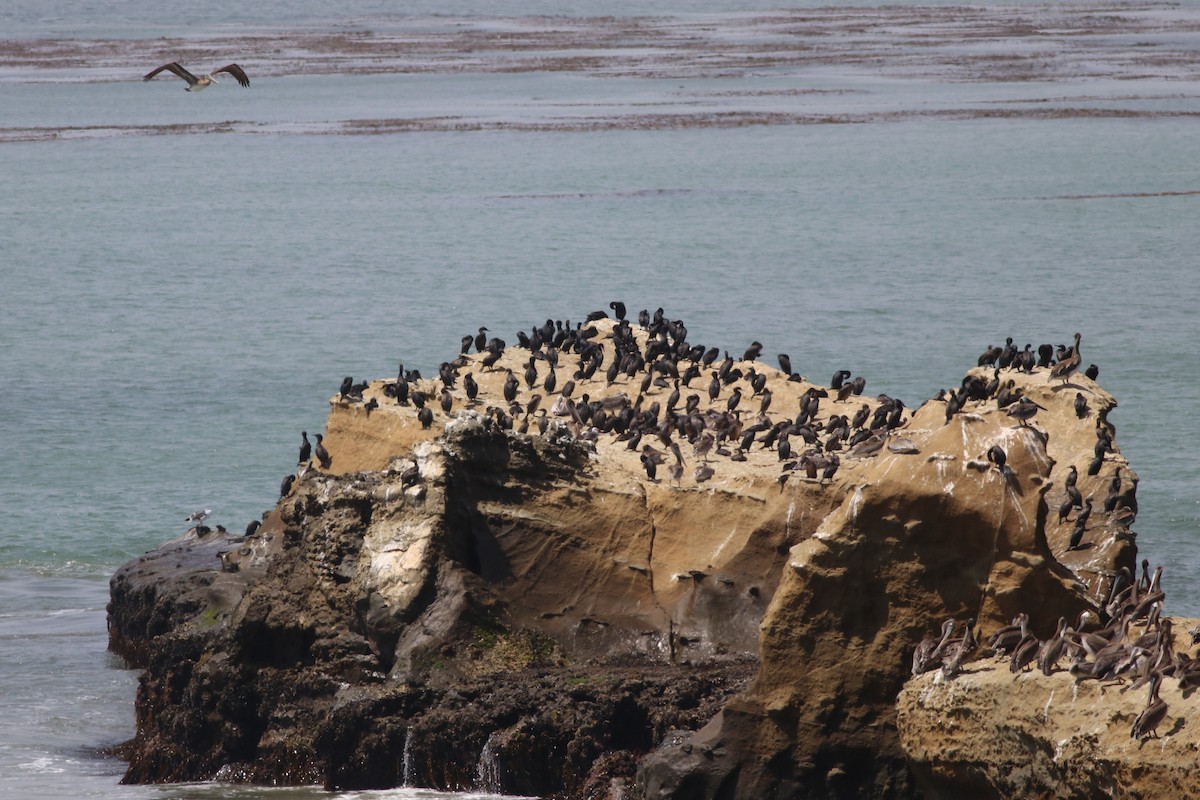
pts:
[305, 448]
[997, 456]
[322, 454]
[1024, 410]
[1153, 715]
[1066, 368]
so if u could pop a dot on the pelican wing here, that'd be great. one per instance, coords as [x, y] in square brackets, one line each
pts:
[178, 70]
[235, 71]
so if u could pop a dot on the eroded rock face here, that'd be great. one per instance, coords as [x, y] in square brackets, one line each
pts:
[459, 606]
[968, 737]
[919, 538]
[505, 602]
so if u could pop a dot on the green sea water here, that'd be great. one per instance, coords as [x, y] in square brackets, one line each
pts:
[176, 308]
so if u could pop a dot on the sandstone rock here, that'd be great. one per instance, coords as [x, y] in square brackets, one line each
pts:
[463, 606]
[988, 733]
[917, 539]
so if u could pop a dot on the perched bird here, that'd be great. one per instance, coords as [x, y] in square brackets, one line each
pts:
[402, 388]
[410, 475]
[675, 472]
[997, 456]
[305, 448]
[929, 650]
[1023, 410]
[198, 516]
[425, 417]
[831, 468]
[322, 454]
[199, 84]
[286, 485]
[1081, 405]
[651, 466]
[1052, 649]
[1066, 367]
[1153, 715]
[785, 364]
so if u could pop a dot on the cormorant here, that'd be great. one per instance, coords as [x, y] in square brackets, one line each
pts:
[425, 417]
[305, 448]
[1081, 405]
[401, 388]
[286, 485]
[651, 467]
[618, 309]
[322, 454]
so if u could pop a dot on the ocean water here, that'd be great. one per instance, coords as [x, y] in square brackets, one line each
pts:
[188, 277]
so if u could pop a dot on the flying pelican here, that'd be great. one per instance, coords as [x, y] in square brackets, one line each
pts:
[195, 84]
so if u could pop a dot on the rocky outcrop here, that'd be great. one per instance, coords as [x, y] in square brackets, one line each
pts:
[523, 607]
[942, 533]
[991, 734]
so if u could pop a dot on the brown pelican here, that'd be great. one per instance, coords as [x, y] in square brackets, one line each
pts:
[195, 84]
[1153, 715]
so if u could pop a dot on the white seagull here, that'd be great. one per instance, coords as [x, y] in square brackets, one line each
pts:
[199, 516]
[195, 84]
